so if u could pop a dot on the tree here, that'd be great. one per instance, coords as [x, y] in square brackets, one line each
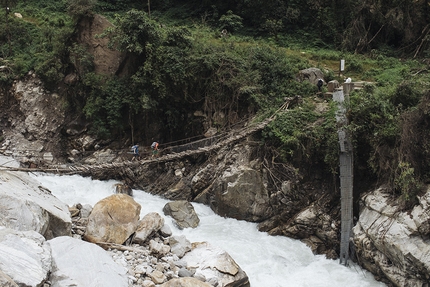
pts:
[81, 8]
[402, 23]
[133, 31]
[7, 4]
[230, 21]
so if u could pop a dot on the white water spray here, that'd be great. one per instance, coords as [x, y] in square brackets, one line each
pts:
[269, 261]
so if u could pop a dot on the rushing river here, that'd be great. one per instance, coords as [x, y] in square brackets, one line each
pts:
[269, 261]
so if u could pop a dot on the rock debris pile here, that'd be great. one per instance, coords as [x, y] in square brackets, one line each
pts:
[159, 256]
[105, 245]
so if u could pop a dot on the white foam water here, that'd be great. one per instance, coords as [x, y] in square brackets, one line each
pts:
[269, 261]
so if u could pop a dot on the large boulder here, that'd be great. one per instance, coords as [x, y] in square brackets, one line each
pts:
[25, 205]
[79, 263]
[392, 244]
[149, 225]
[316, 226]
[113, 219]
[238, 193]
[213, 264]
[183, 212]
[311, 75]
[236, 187]
[25, 258]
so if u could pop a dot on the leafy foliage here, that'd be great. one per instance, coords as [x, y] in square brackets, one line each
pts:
[384, 126]
[306, 137]
[179, 69]
[230, 21]
[80, 8]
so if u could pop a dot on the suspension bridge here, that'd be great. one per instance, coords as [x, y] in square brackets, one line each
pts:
[170, 153]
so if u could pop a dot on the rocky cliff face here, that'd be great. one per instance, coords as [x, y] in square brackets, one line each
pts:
[238, 182]
[32, 121]
[34, 126]
[106, 61]
[394, 244]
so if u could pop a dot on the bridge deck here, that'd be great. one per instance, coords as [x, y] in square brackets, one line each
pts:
[196, 149]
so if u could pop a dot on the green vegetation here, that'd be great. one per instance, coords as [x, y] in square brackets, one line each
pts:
[179, 62]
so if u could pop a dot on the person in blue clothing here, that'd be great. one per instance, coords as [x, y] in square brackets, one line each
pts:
[135, 150]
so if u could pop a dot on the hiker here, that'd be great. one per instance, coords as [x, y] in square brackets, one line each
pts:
[154, 147]
[320, 83]
[135, 150]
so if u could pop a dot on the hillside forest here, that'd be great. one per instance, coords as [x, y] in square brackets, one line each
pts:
[236, 60]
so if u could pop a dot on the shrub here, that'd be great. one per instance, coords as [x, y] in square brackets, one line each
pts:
[306, 137]
[406, 182]
[230, 22]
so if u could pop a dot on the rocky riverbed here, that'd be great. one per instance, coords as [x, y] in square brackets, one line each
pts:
[47, 236]
[161, 256]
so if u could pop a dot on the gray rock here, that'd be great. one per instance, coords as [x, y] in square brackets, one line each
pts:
[48, 157]
[148, 225]
[184, 272]
[212, 262]
[239, 193]
[179, 245]
[183, 212]
[166, 231]
[43, 111]
[100, 156]
[391, 243]
[25, 205]
[158, 248]
[86, 210]
[311, 75]
[79, 263]
[19, 249]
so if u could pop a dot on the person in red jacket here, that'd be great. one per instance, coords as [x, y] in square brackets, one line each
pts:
[154, 148]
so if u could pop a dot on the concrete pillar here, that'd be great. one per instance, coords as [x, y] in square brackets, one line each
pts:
[332, 86]
[348, 88]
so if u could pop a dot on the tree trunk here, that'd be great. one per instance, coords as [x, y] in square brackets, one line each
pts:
[131, 123]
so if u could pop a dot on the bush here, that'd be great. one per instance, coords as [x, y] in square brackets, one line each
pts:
[80, 8]
[406, 182]
[405, 95]
[306, 137]
[230, 22]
